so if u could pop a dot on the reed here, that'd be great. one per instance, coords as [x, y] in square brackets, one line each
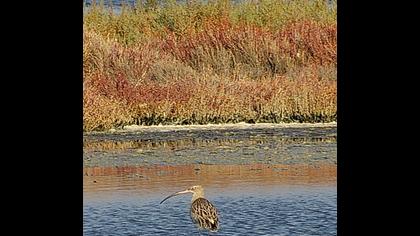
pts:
[202, 63]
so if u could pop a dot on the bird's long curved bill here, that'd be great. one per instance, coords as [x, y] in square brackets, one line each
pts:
[173, 195]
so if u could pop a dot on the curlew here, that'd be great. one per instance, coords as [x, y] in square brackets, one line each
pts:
[202, 212]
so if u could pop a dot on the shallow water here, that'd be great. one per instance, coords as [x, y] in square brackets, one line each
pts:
[285, 196]
[236, 144]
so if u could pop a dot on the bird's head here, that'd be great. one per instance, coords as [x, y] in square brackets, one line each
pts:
[196, 190]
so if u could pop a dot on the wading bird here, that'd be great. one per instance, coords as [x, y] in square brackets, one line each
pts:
[202, 212]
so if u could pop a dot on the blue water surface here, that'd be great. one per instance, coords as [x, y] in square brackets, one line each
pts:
[282, 210]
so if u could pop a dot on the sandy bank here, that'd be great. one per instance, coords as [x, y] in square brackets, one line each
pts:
[237, 126]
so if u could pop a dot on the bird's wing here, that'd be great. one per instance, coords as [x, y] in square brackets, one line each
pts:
[204, 214]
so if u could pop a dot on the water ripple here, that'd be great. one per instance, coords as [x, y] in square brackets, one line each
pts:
[298, 211]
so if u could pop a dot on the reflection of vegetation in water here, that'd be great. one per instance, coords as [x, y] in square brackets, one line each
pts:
[183, 143]
[270, 146]
[223, 175]
[304, 151]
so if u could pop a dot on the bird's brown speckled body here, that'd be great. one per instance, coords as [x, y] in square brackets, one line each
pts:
[204, 214]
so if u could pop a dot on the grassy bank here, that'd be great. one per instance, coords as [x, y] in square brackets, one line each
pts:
[261, 61]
